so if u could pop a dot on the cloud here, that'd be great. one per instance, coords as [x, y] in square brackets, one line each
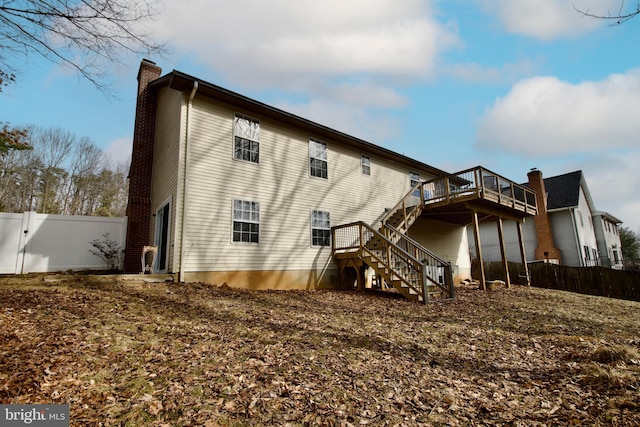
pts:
[549, 19]
[261, 43]
[119, 151]
[545, 117]
[361, 123]
[337, 62]
[613, 181]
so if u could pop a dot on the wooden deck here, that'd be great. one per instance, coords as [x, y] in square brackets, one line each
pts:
[454, 197]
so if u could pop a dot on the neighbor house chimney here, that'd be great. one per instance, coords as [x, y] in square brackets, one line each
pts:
[546, 249]
[139, 203]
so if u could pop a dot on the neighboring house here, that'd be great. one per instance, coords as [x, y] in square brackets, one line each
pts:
[567, 230]
[235, 191]
[608, 238]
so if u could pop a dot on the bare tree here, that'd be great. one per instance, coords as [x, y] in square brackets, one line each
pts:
[54, 147]
[83, 35]
[622, 15]
[86, 159]
[62, 175]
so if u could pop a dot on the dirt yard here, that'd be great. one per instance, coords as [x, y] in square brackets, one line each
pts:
[157, 354]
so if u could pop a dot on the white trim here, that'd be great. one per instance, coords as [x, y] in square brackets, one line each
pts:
[240, 242]
[317, 141]
[362, 165]
[237, 115]
[319, 228]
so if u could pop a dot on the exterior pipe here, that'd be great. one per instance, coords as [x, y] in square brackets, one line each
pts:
[185, 187]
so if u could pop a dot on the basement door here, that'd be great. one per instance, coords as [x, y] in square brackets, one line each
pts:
[162, 236]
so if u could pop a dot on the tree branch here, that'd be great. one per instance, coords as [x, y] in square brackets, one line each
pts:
[620, 17]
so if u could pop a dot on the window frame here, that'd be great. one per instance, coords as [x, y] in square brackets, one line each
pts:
[414, 179]
[246, 153]
[321, 227]
[312, 167]
[365, 165]
[242, 220]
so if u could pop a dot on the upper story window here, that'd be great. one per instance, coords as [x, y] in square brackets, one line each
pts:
[318, 158]
[365, 162]
[246, 141]
[414, 179]
[246, 221]
[320, 228]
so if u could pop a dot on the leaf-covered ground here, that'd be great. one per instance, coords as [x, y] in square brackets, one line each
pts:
[133, 353]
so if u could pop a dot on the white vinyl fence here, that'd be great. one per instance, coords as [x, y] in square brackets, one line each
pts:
[35, 243]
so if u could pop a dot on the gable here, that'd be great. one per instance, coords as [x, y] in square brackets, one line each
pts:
[563, 190]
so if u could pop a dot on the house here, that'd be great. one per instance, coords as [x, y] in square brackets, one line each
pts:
[231, 190]
[567, 230]
[608, 239]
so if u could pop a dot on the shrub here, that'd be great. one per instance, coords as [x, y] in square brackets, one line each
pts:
[109, 250]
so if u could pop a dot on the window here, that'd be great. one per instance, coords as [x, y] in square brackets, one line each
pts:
[246, 221]
[318, 158]
[587, 253]
[320, 228]
[246, 144]
[365, 162]
[616, 257]
[414, 179]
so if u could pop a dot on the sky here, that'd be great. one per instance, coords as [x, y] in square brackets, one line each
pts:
[506, 84]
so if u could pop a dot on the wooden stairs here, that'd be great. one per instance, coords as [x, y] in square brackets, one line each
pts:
[402, 263]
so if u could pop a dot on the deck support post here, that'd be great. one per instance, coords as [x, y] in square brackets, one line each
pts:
[362, 277]
[503, 252]
[476, 235]
[523, 254]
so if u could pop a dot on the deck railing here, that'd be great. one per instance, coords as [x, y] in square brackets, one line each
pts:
[474, 183]
[480, 183]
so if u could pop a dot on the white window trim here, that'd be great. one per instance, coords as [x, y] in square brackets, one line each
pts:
[319, 228]
[324, 160]
[233, 144]
[362, 164]
[412, 180]
[234, 242]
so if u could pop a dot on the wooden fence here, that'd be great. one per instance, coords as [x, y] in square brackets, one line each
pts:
[585, 280]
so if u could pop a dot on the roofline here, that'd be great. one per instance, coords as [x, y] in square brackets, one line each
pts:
[608, 216]
[180, 81]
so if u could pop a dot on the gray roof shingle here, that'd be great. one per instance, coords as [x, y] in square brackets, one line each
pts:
[563, 190]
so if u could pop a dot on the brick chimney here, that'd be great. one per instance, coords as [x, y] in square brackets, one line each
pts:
[546, 248]
[139, 203]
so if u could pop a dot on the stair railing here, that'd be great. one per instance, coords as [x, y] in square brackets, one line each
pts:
[417, 192]
[397, 264]
[435, 267]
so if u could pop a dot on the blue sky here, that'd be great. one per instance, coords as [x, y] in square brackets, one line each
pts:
[506, 84]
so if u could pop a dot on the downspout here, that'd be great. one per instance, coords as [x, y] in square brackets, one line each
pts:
[185, 187]
[575, 233]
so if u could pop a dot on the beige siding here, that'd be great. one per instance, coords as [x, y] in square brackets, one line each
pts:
[166, 159]
[448, 241]
[285, 190]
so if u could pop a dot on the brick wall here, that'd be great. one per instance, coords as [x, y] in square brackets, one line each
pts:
[546, 248]
[139, 203]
